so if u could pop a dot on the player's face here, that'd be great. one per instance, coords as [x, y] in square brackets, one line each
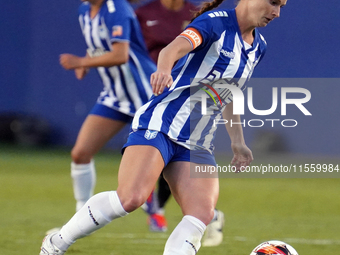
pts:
[266, 10]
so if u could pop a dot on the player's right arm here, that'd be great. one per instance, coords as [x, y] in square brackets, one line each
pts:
[166, 60]
[118, 56]
[81, 72]
[178, 48]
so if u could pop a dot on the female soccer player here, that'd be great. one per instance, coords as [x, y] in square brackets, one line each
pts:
[116, 48]
[170, 132]
[161, 22]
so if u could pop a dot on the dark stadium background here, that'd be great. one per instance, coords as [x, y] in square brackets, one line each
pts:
[301, 44]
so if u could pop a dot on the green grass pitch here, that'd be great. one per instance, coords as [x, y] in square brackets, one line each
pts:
[36, 195]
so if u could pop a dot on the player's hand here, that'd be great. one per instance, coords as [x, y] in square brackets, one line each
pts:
[159, 80]
[69, 61]
[81, 72]
[242, 156]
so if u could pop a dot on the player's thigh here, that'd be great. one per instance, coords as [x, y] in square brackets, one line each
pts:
[138, 173]
[196, 196]
[95, 132]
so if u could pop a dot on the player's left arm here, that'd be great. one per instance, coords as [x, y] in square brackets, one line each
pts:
[242, 154]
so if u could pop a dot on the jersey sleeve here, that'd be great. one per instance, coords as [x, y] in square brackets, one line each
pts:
[118, 21]
[83, 8]
[199, 31]
[81, 12]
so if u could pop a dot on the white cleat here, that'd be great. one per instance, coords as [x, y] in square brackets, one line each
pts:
[213, 234]
[47, 247]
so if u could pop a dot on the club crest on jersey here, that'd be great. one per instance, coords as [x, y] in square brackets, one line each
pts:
[102, 32]
[150, 134]
[96, 52]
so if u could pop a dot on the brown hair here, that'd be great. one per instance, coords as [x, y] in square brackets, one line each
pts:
[207, 6]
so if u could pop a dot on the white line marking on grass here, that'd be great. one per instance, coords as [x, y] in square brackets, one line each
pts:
[148, 241]
[134, 235]
[160, 237]
[312, 241]
[141, 238]
[294, 240]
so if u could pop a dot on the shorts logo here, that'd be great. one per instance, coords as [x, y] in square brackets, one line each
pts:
[150, 134]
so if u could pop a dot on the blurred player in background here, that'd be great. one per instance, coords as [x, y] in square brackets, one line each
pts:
[161, 22]
[117, 49]
[171, 133]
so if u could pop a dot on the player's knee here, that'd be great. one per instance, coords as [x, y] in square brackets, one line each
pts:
[132, 201]
[80, 156]
[209, 215]
[205, 215]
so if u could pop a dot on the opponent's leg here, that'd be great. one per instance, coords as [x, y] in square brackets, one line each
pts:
[154, 206]
[163, 192]
[214, 233]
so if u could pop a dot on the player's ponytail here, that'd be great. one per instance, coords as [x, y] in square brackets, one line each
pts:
[207, 6]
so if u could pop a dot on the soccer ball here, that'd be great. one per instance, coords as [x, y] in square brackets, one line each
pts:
[274, 248]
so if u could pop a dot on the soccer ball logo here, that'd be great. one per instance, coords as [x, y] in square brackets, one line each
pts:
[274, 248]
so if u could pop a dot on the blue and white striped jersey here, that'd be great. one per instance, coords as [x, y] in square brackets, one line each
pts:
[126, 87]
[221, 56]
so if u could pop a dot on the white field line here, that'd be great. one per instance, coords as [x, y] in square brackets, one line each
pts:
[161, 237]
[294, 240]
[313, 241]
[134, 235]
[156, 238]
